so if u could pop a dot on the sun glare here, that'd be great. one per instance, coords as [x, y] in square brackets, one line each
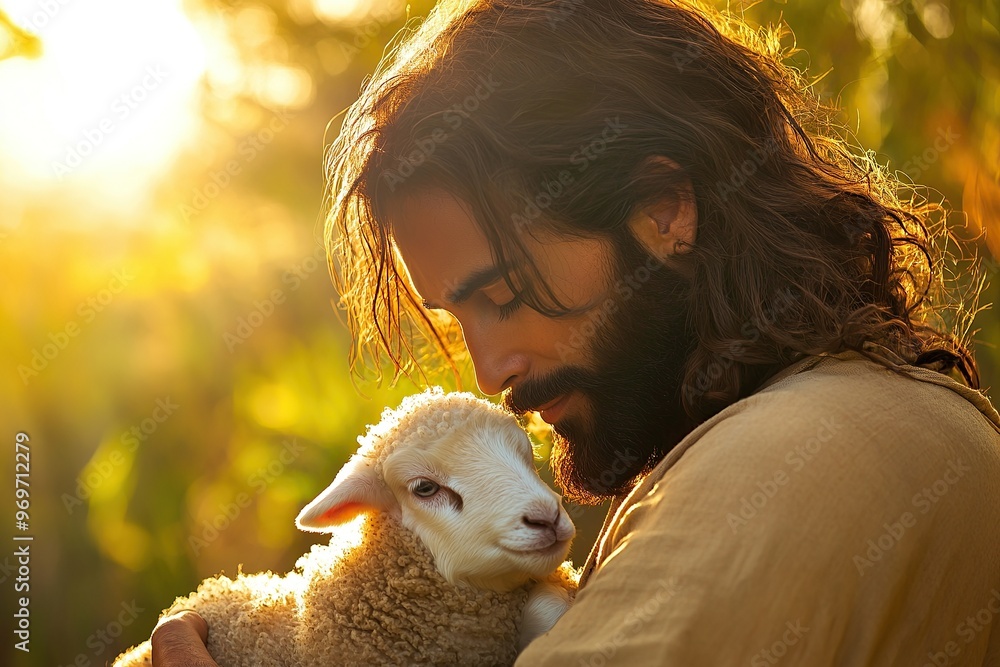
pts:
[338, 11]
[106, 105]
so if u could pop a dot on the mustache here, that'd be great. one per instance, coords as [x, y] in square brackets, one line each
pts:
[532, 393]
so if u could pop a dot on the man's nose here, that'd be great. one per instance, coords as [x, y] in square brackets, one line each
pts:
[498, 362]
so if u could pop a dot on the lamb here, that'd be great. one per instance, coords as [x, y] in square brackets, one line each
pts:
[446, 549]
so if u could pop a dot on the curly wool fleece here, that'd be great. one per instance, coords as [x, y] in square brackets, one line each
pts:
[379, 601]
[430, 414]
[400, 611]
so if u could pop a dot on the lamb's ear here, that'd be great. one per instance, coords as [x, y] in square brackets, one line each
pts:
[356, 489]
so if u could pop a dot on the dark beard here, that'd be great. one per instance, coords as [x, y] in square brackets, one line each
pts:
[631, 414]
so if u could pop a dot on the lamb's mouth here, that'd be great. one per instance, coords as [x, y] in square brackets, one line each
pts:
[552, 549]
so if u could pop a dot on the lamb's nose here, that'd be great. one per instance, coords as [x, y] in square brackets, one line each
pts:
[540, 520]
[537, 523]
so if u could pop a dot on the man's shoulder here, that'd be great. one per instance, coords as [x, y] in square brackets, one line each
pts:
[842, 495]
[841, 425]
[845, 438]
[861, 383]
[855, 401]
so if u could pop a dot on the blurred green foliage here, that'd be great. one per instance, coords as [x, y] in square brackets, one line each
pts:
[198, 407]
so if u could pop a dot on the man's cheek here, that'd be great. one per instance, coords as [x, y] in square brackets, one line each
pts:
[574, 341]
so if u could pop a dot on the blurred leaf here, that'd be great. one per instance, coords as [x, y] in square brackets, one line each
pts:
[14, 41]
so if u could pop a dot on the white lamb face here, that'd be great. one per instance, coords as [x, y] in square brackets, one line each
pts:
[476, 502]
[472, 496]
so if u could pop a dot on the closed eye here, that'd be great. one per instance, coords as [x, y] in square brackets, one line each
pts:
[507, 309]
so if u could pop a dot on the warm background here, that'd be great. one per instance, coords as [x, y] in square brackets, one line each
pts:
[160, 191]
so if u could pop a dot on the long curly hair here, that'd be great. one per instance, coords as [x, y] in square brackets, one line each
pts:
[552, 114]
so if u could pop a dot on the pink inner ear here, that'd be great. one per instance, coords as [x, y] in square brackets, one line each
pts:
[342, 513]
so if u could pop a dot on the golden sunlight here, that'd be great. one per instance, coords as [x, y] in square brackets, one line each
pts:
[106, 105]
[338, 11]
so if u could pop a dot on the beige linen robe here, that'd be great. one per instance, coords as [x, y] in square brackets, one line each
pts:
[841, 515]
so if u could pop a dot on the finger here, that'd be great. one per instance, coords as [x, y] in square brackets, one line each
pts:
[179, 641]
[191, 618]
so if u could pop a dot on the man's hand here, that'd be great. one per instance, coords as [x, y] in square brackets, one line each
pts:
[179, 641]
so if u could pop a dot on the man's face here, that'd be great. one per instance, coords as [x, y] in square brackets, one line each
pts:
[607, 377]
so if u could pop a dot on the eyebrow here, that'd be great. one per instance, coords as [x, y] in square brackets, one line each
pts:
[474, 281]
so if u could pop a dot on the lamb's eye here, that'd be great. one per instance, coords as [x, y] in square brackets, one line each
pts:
[425, 488]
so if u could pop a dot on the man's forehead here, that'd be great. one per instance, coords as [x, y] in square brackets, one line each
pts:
[443, 249]
[448, 256]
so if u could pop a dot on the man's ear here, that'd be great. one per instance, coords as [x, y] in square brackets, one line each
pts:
[356, 489]
[669, 225]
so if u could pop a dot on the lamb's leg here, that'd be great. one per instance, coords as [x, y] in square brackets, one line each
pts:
[547, 602]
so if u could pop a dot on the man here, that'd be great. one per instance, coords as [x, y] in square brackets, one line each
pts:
[641, 223]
